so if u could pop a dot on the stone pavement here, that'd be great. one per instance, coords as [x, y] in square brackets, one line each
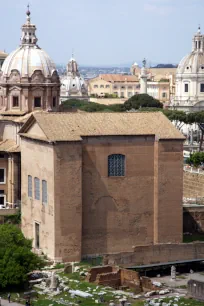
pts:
[6, 303]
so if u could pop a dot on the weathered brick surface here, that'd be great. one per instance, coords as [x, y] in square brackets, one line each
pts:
[111, 279]
[162, 253]
[89, 213]
[37, 161]
[91, 277]
[115, 277]
[168, 188]
[68, 201]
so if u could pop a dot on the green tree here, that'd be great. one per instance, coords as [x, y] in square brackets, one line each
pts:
[142, 100]
[73, 103]
[16, 257]
[196, 159]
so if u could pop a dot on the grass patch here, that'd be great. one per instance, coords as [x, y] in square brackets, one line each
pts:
[192, 238]
[59, 266]
[181, 277]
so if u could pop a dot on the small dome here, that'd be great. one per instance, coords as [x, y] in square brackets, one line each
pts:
[192, 63]
[73, 83]
[26, 60]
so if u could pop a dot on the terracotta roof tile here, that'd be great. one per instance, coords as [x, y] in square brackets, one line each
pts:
[9, 145]
[118, 78]
[73, 126]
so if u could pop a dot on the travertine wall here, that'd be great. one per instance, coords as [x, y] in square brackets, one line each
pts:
[193, 185]
[37, 160]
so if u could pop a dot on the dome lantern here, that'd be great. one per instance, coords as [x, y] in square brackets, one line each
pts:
[198, 42]
[28, 31]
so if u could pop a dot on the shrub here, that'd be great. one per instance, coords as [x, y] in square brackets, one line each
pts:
[16, 257]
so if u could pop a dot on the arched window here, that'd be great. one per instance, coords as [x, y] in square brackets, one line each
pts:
[116, 165]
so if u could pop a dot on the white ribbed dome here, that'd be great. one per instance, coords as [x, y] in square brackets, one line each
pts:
[192, 63]
[26, 60]
[29, 57]
[73, 83]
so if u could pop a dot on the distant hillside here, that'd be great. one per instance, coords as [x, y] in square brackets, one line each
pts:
[165, 66]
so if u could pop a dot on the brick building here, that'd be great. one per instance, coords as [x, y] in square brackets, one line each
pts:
[100, 183]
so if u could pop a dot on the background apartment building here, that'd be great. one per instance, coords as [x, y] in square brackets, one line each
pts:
[126, 86]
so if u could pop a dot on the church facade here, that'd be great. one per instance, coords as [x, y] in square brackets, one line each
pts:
[28, 83]
[189, 93]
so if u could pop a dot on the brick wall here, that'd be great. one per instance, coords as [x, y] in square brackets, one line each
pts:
[91, 277]
[68, 201]
[157, 254]
[115, 277]
[131, 279]
[111, 279]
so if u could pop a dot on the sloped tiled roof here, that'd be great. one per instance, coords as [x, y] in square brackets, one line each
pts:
[73, 126]
[118, 78]
[9, 145]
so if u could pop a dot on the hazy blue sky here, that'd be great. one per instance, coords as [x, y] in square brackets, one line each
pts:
[105, 32]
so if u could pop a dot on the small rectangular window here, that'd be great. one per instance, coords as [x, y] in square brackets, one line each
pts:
[116, 165]
[30, 189]
[37, 188]
[186, 88]
[15, 101]
[163, 95]
[102, 86]
[107, 86]
[37, 235]
[37, 102]
[201, 87]
[2, 176]
[44, 191]
[95, 86]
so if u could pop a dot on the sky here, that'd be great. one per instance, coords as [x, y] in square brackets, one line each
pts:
[106, 32]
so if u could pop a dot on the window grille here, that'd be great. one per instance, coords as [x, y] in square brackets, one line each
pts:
[30, 189]
[116, 165]
[37, 188]
[44, 191]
